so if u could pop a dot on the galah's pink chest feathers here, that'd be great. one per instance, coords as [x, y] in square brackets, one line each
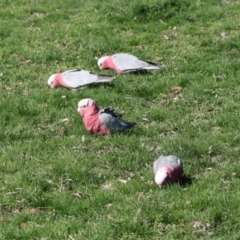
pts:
[93, 124]
[175, 173]
[109, 64]
[58, 81]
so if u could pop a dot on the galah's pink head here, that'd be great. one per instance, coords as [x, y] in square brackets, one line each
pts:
[161, 176]
[84, 104]
[51, 81]
[102, 62]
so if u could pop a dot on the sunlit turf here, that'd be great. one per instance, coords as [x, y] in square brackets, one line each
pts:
[59, 182]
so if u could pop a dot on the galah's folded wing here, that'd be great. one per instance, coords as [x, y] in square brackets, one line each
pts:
[114, 124]
[127, 62]
[79, 78]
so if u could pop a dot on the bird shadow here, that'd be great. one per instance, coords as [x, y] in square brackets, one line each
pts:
[140, 72]
[187, 180]
[184, 181]
[93, 85]
[96, 85]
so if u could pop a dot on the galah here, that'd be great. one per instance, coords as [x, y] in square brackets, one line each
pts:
[124, 62]
[167, 169]
[77, 78]
[101, 121]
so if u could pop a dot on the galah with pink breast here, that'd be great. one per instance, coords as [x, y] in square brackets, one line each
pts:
[124, 62]
[167, 169]
[77, 78]
[101, 121]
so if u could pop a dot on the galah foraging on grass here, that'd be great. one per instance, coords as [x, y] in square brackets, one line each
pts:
[101, 121]
[77, 78]
[124, 62]
[167, 169]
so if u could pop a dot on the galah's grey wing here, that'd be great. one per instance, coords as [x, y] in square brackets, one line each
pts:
[79, 78]
[127, 63]
[114, 124]
[167, 161]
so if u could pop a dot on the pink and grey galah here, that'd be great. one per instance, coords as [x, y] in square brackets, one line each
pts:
[101, 121]
[167, 169]
[124, 62]
[77, 78]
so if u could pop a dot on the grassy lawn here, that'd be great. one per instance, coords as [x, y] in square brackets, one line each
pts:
[59, 182]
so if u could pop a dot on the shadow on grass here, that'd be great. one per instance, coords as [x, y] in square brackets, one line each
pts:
[186, 180]
[96, 85]
[139, 72]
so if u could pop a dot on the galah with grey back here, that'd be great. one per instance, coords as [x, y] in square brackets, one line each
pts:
[77, 78]
[101, 121]
[167, 169]
[124, 62]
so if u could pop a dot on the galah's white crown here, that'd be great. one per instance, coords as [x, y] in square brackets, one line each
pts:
[84, 102]
[51, 80]
[101, 60]
[160, 176]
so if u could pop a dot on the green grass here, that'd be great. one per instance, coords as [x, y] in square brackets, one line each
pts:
[90, 187]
